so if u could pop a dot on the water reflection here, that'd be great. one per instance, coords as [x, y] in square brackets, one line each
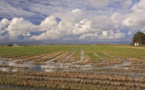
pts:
[5, 69]
[51, 66]
[37, 68]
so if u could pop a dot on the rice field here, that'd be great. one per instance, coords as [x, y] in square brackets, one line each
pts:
[72, 67]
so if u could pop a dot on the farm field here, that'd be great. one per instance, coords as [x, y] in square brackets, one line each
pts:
[72, 67]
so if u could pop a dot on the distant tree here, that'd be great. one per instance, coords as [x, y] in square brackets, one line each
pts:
[139, 37]
[10, 45]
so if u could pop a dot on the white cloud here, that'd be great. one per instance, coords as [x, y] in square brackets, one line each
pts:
[135, 19]
[111, 35]
[117, 20]
[139, 7]
[48, 23]
[19, 26]
[103, 35]
[89, 36]
[48, 35]
[71, 20]
[72, 25]
[76, 11]
[83, 26]
[101, 3]
[4, 22]
[101, 22]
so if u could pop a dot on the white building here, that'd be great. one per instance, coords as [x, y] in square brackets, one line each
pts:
[136, 44]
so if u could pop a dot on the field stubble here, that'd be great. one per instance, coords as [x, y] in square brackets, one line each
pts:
[72, 67]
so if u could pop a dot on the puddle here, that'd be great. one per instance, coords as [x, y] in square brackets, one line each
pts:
[5, 69]
[51, 66]
[117, 66]
[68, 57]
[103, 60]
[81, 57]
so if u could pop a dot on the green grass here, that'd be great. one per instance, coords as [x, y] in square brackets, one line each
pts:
[118, 51]
[17, 52]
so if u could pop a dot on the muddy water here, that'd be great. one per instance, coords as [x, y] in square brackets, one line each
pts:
[51, 66]
[103, 60]
[117, 66]
[68, 57]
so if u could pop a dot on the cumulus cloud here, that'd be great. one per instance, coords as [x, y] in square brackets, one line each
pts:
[4, 22]
[48, 23]
[135, 19]
[139, 7]
[19, 26]
[83, 26]
[48, 35]
[79, 24]
[103, 35]
[64, 27]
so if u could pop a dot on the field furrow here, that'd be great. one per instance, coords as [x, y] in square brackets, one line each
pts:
[72, 67]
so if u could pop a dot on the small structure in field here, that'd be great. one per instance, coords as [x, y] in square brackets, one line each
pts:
[14, 44]
[136, 44]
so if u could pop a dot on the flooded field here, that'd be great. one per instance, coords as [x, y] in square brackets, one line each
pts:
[72, 67]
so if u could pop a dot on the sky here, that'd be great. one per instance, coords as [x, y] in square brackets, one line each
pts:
[71, 21]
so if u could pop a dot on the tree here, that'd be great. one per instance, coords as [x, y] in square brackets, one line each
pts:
[10, 45]
[139, 37]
